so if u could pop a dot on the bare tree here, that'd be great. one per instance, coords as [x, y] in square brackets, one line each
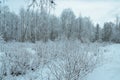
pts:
[41, 4]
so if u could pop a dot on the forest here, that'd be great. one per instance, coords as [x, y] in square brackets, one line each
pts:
[36, 44]
[36, 24]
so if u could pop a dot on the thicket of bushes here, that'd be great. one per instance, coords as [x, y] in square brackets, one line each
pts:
[64, 61]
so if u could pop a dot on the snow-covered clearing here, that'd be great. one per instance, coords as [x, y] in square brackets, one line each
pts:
[48, 61]
[110, 69]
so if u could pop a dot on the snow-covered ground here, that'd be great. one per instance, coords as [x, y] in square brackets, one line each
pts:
[110, 69]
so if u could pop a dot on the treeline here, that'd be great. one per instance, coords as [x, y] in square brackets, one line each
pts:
[35, 26]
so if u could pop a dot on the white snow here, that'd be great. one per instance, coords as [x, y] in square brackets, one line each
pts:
[30, 50]
[110, 70]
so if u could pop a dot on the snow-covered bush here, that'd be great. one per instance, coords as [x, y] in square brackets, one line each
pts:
[18, 62]
[76, 62]
[58, 60]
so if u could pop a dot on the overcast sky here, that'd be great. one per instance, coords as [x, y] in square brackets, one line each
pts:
[98, 10]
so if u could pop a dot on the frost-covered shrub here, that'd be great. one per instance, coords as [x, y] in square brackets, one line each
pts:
[58, 60]
[76, 62]
[47, 51]
[18, 62]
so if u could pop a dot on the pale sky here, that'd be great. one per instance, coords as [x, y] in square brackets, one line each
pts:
[99, 11]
